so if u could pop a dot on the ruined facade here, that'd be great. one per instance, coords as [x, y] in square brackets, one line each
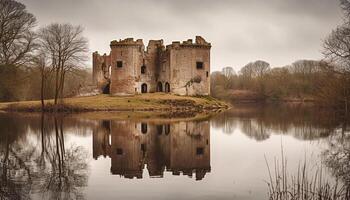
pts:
[179, 68]
[181, 147]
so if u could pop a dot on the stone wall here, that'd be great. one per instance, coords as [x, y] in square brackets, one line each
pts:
[101, 70]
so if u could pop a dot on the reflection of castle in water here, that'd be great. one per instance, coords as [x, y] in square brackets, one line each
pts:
[177, 147]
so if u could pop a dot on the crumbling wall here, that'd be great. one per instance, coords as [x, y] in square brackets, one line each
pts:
[164, 69]
[101, 70]
[151, 63]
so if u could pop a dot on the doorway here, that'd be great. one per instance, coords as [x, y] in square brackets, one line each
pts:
[167, 87]
[144, 88]
[159, 87]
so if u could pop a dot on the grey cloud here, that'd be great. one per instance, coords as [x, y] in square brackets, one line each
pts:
[278, 31]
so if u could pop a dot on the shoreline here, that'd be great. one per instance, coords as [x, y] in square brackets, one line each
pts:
[152, 102]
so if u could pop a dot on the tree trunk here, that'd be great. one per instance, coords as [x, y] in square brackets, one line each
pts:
[61, 86]
[58, 154]
[42, 90]
[57, 85]
[346, 107]
[42, 134]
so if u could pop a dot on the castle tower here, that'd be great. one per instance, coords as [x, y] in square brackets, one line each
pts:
[187, 67]
[126, 62]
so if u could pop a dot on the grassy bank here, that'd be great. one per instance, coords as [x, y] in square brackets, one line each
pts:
[144, 102]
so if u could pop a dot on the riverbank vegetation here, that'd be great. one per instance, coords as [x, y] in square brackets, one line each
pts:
[304, 184]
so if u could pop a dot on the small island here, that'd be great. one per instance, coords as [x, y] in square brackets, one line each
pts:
[151, 102]
[168, 79]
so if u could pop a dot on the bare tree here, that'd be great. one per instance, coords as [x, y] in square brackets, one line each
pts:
[255, 69]
[337, 54]
[337, 48]
[66, 49]
[17, 39]
[229, 77]
[40, 61]
[228, 71]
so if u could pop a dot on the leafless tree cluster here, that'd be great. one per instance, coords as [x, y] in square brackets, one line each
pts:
[257, 81]
[255, 69]
[53, 53]
[64, 46]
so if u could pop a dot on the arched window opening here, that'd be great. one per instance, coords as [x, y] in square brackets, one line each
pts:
[143, 128]
[167, 129]
[144, 88]
[143, 69]
[167, 87]
[159, 87]
[106, 88]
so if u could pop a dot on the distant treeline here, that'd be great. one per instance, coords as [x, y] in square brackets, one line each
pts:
[303, 80]
[326, 81]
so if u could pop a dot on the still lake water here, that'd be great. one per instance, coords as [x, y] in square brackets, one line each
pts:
[222, 157]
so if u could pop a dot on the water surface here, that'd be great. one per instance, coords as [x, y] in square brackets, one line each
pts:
[223, 157]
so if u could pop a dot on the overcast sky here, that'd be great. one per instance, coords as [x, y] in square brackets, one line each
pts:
[241, 31]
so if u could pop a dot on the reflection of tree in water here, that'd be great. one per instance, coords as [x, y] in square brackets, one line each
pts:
[15, 170]
[15, 173]
[337, 156]
[259, 121]
[255, 129]
[63, 170]
[54, 171]
[226, 122]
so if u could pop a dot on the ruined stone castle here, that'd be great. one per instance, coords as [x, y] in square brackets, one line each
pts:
[179, 68]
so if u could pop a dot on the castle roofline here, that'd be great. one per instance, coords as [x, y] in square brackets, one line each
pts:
[127, 42]
[199, 43]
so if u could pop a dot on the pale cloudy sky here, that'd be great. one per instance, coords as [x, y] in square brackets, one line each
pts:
[241, 31]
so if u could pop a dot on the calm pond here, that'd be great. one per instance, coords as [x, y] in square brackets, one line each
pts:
[222, 157]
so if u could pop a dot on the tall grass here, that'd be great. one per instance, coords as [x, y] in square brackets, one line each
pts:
[304, 185]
